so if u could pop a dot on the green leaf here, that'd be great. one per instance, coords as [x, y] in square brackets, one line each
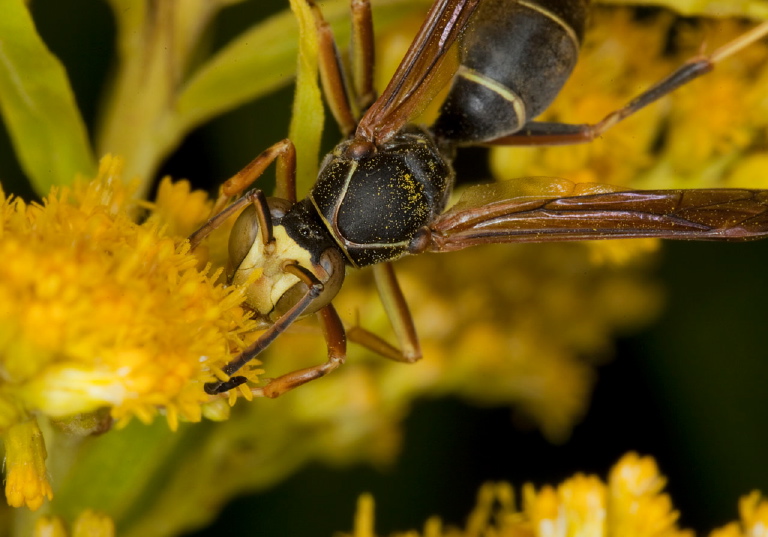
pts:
[307, 117]
[154, 44]
[259, 61]
[263, 59]
[38, 105]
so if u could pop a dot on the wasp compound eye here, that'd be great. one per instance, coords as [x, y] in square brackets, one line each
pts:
[244, 233]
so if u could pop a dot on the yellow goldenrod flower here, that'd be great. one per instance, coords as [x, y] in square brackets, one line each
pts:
[49, 526]
[637, 505]
[180, 208]
[701, 122]
[753, 511]
[750, 171]
[629, 504]
[100, 311]
[92, 524]
[87, 524]
[181, 211]
[619, 251]
[26, 478]
[754, 514]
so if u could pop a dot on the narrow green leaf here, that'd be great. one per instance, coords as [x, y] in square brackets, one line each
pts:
[154, 44]
[38, 106]
[264, 59]
[307, 117]
[258, 62]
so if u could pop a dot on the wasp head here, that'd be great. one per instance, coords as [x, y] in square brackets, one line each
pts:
[293, 237]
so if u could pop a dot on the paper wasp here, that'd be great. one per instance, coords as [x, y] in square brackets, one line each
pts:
[382, 192]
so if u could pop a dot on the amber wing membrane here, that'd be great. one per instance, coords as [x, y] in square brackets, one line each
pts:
[414, 83]
[489, 214]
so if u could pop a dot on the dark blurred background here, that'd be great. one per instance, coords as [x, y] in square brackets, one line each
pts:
[690, 390]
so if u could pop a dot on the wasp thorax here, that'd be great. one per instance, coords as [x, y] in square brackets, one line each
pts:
[261, 263]
[376, 202]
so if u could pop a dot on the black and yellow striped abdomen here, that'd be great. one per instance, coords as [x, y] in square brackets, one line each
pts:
[516, 56]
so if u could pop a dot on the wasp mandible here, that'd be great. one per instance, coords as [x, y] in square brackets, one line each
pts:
[382, 192]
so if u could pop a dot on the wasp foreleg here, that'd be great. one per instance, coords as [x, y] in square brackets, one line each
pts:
[314, 288]
[333, 330]
[285, 153]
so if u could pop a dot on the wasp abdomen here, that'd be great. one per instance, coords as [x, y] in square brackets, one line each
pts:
[516, 56]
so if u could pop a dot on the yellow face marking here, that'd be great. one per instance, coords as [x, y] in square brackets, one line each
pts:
[263, 294]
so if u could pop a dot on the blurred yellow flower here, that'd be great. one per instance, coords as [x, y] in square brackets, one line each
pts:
[87, 524]
[49, 526]
[92, 524]
[700, 136]
[630, 504]
[26, 479]
[753, 510]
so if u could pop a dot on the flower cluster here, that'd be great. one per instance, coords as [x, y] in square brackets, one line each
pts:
[629, 504]
[87, 523]
[105, 315]
[101, 312]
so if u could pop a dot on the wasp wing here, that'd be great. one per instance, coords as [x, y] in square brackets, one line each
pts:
[544, 210]
[418, 76]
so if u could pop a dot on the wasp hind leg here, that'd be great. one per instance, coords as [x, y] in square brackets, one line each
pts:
[399, 316]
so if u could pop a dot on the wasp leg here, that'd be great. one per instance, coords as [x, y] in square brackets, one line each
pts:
[362, 53]
[333, 330]
[399, 315]
[314, 288]
[332, 75]
[285, 154]
[540, 133]
[217, 219]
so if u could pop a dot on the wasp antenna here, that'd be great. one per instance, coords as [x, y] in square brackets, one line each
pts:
[264, 216]
[218, 218]
[303, 274]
